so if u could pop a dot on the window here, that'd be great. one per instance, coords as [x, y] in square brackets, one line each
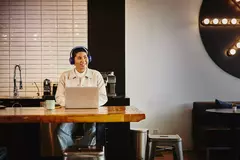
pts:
[38, 35]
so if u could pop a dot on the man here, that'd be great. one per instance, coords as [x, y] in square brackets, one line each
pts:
[81, 76]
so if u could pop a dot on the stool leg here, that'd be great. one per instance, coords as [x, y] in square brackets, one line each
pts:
[179, 151]
[152, 149]
[175, 156]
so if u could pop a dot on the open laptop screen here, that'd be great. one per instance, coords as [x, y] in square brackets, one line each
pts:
[82, 97]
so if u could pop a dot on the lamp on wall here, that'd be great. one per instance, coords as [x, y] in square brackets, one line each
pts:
[231, 52]
[236, 2]
[219, 27]
[206, 21]
[220, 21]
[224, 21]
[234, 48]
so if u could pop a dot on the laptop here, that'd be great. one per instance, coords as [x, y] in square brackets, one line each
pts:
[82, 97]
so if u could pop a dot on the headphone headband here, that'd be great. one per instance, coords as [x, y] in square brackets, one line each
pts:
[71, 59]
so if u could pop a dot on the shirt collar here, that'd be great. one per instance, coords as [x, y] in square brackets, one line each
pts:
[73, 74]
[88, 73]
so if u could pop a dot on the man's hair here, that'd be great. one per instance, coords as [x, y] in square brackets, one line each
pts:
[75, 51]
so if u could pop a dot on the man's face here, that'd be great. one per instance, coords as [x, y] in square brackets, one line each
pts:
[81, 60]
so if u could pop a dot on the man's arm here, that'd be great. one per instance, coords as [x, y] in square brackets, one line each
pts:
[102, 90]
[60, 93]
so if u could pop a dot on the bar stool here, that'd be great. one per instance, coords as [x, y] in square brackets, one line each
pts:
[77, 151]
[84, 154]
[174, 141]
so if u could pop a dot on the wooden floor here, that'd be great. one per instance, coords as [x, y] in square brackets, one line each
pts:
[167, 155]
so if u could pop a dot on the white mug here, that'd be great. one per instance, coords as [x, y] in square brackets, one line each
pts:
[50, 104]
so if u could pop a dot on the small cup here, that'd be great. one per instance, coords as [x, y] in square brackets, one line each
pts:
[50, 104]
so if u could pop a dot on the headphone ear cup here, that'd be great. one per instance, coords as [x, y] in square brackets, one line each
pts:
[71, 61]
[90, 58]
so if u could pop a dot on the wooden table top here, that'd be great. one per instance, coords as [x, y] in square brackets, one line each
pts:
[40, 114]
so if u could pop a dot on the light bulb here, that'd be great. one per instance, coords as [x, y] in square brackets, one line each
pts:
[238, 45]
[215, 21]
[224, 21]
[206, 21]
[232, 52]
[234, 21]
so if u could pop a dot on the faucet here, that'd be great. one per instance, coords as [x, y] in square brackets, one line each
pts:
[38, 94]
[15, 90]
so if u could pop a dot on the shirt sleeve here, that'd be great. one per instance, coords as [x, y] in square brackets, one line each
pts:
[102, 90]
[60, 93]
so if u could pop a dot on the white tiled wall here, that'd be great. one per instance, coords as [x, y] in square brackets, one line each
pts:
[38, 35]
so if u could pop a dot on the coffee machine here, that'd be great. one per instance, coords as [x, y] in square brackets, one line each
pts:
[46, 87]
[110, 83]
[54, 89]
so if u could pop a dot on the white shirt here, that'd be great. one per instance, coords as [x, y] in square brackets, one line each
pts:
[92, 78]
[80, 75]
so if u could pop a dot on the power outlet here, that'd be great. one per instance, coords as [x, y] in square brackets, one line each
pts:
[156, 131]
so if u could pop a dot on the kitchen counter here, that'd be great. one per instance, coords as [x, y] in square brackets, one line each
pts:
[21, 97]
[27, 101]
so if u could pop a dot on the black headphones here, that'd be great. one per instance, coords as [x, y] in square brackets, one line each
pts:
[71, 59]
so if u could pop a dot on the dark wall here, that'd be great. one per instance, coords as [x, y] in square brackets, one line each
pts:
[106, 38]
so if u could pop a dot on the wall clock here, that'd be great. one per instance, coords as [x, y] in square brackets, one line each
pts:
[219, 27]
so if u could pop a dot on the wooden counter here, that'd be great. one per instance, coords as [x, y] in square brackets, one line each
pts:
[40, 114]
[29, 136]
